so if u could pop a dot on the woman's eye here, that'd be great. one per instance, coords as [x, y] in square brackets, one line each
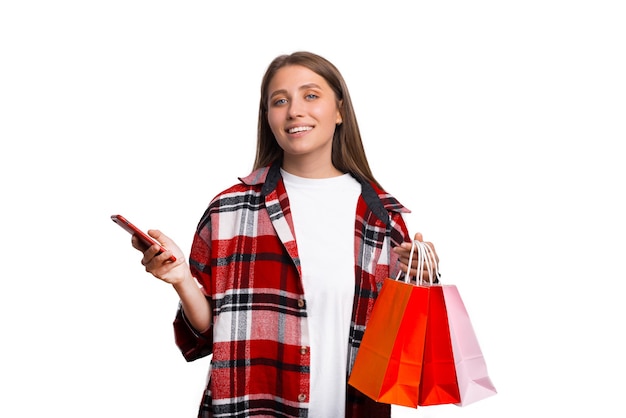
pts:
[311, 96]
[280, 102]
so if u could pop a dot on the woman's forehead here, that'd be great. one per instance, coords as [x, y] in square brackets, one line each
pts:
[295, 77]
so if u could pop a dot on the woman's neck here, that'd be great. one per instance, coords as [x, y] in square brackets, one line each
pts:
[312, 170]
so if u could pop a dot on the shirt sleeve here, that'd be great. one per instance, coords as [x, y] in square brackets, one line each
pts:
[399, 234]
[192, 343]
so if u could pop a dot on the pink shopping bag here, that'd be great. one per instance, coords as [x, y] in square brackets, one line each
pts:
[471, 369]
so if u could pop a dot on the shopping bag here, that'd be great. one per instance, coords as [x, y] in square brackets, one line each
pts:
[405, 357]
[439, 380]
[472, 380]
[471, 369]
[388, 365]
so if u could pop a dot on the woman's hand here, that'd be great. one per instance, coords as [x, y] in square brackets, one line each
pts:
[404, 250]
[159, 265]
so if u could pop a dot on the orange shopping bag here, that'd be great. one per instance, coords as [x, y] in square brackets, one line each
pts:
[384, 369]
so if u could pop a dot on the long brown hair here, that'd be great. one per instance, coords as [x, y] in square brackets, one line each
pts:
[348, 154]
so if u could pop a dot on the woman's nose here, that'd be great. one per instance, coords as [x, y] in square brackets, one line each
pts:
[295, 109]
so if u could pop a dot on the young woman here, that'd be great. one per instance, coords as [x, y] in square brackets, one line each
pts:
[285, 265]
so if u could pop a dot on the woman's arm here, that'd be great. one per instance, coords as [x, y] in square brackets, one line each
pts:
[177, 273]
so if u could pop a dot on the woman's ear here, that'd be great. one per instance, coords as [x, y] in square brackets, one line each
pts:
[339, 119]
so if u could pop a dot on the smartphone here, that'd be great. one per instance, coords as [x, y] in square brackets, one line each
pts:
[144, 238]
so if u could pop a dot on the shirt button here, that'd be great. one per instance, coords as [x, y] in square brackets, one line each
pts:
[301, 397]
[303, 350]
[301, 303]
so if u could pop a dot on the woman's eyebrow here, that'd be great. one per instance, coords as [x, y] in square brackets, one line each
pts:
[309, 86]
[277, 92]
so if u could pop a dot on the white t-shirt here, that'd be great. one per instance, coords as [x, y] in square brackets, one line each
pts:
[324, 212]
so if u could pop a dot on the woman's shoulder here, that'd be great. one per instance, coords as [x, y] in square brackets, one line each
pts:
[378, 197]
[251, 183]
[258, 176]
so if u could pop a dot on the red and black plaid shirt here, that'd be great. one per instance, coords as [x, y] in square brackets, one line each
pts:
[245, 257]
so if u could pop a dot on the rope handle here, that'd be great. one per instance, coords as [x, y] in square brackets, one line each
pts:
[425, 256]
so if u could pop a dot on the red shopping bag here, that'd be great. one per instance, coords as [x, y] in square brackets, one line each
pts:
[471, 369]
[388, 365]
[439, 380]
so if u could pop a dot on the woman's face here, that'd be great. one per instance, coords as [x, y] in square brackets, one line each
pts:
[303, 114]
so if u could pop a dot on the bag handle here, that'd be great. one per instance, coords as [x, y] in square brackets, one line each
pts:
[425, 256]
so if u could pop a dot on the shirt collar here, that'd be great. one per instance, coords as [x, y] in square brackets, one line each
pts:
[270, 175]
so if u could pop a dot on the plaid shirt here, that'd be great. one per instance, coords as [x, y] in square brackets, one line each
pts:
[245, 257]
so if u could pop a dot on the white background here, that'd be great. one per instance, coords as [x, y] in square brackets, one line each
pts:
[501, 124]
